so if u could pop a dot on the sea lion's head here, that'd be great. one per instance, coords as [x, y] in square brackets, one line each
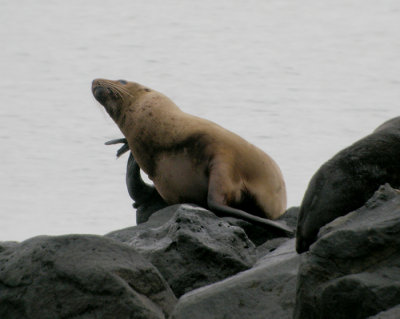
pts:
[117, 97]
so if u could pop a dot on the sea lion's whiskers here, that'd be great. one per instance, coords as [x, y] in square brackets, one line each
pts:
[116, 91]
[121, 91]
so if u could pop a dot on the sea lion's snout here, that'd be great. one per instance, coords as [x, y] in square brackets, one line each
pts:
[95, 84]
[100, 93]
[108, 95]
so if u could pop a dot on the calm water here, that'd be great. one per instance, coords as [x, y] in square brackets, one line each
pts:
[300, 79]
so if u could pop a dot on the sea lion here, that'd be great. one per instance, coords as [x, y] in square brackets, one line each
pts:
[193, 160]
[348, 180]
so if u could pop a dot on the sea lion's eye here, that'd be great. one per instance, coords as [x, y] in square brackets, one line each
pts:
[122, 82]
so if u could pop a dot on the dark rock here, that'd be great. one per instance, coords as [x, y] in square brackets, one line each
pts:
[265, 291]
[4, 245]
[353, 270]
[269, 246]
[345, 182]
[393, 313]
[190, 246]
[290, 216]
[148, 208]
[80, 276]
[156, 220]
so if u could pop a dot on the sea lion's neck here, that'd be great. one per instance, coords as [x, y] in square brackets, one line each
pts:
[151, 125]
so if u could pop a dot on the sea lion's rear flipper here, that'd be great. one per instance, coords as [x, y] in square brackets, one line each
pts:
[218, 193]
[224, 211]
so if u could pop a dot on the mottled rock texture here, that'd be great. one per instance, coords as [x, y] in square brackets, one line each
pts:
[219, 267]
[353, 269]
[80, 276]
[265, 291]
[190, 246]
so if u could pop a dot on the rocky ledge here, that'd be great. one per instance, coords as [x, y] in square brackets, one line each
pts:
[185, 262]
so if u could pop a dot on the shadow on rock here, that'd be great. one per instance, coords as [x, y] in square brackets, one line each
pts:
[190, 246]
[353, 269]
[265, 291]
[80, 276]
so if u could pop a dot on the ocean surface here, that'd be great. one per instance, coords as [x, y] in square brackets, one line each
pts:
[299, 79]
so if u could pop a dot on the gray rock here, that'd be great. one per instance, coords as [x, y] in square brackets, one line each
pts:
[290, 216]
[4, 245]
[353, 270]
[345, 182]
[265, 291]
[157, 219]
[393, 313]
[80, 276]
[190, 246]
[269, 246]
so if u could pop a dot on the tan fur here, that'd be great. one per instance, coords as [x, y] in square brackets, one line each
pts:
[190, 159]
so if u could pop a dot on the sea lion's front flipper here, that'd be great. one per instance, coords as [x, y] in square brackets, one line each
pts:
[117, 141]
[123, 149]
